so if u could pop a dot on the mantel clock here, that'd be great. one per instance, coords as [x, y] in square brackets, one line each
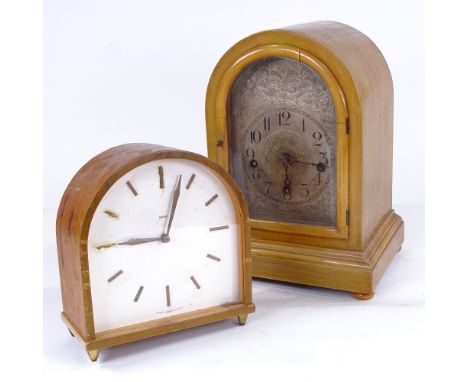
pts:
[151, 240]
[302, 118]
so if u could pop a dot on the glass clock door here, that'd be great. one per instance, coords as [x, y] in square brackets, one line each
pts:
[283, 142]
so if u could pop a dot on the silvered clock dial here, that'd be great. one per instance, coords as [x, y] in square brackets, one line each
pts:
[282, 142]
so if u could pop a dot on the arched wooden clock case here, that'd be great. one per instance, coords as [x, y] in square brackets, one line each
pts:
[77, 208]
[353, 251]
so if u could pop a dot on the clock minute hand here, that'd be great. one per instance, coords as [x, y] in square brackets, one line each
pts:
[140, 241]
[288, 158]
[130, 242]
[287, 183]
[175, 200]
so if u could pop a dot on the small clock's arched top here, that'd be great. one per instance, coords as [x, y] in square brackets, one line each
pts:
[79, 202]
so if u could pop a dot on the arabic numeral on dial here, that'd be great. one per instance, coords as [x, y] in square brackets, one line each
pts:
[287, 195]
[256, 175]
[305, 192]
[268, 187]
[283, 118]
[266, 124]
[250, 153]
[318, 178]
[325, 158]
[317, 135]
[255, 136]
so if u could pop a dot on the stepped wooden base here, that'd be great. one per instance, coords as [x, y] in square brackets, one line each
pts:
[354, 271]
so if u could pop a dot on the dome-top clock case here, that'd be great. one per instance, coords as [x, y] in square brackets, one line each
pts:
[151, 240]
[302, 117]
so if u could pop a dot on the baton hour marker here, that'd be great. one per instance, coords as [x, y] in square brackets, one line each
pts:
[190, 182]
[130, 186]
[219, 228]
[161, 176]
[112, 214]
[213, 257]
[211, 200]
[137, 297]
[168, 296]
[113, 277]
[195, 282]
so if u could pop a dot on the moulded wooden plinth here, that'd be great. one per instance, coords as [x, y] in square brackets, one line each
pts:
[354, 271]
[149, 329]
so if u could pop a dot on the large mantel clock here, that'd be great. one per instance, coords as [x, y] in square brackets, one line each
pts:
[302, 117]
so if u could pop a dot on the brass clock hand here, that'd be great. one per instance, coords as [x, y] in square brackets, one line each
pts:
[175, 200]
[130, 242]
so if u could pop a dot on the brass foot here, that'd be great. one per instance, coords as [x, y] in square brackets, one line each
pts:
[93, 354]
[362, 296]
[242, 318]
[71, 333]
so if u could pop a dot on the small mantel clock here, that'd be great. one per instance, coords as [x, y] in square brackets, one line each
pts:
[302, 117]
[151, 240]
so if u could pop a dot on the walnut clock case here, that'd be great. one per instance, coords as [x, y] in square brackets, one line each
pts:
[151, 240]
[302, 117]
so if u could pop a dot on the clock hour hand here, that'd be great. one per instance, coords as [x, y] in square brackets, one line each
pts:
[287, 158]
[130, 242]
[287, 182]
[175, 200]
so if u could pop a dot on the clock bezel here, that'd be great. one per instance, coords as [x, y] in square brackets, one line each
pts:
[219, 130]
[76, 211]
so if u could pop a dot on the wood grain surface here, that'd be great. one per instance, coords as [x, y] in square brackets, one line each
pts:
[76, 210]
[360, 75]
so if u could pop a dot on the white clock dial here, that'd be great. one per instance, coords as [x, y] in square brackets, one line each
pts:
[138, 270]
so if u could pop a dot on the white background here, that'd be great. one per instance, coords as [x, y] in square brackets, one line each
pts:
[137, 71]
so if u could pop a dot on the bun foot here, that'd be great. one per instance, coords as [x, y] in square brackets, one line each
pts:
[362, 296]
[242, 319]
[93, 354]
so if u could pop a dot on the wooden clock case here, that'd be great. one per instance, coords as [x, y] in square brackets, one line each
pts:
[353, 255]
[76, 210]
